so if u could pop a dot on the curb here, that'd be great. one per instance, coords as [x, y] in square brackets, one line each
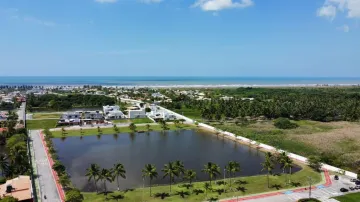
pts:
[59, 188]
[327, 183]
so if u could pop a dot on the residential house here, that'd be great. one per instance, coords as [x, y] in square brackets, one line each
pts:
[70, 118]
[136, 113]
[93, 115]
[19, 188]
[108, 108]
[111, 115]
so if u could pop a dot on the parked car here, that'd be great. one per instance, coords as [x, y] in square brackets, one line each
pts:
[357, 182]
[352, 188]
[336, 177]
[357, 187]
[344, 190]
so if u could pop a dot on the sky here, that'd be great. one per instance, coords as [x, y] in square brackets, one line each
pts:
[242, 38]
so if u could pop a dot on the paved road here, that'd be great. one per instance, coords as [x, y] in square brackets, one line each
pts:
[21, 112]
[322, 193]
[44, 172]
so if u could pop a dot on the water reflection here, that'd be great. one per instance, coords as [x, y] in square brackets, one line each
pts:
[194, 148]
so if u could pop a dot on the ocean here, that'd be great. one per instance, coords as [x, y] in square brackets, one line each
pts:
[176, 81]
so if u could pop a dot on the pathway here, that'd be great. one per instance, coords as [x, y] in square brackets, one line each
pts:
[48, 185]
[323, 192]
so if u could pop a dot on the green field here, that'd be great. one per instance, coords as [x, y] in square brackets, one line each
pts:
[41, 124]
[190, 113]
[245, 185]
[135, 121]
[94, 131]
[46, 115]
[354, 197]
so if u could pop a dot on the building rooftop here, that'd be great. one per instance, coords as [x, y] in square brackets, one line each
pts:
[21, 188]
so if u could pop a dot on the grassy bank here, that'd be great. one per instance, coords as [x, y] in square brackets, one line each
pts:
[94, 131]
[241, 186]
[135, 121]
[41, 124]
[190, 113]
[46, 115]
[354, 197]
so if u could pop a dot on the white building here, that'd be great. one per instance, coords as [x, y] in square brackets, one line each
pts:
[139, 113]
[108, 108]
[115, 115]
[93, 115]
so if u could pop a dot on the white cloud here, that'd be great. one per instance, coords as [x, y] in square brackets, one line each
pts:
[217, 5]
[151, 1]
[39, 21]
[328, 11]
[106, 1]
[330, 7]
[344, 28]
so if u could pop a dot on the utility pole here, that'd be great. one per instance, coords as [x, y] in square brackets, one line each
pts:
[310, 181]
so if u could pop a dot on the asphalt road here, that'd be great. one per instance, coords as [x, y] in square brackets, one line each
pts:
[44, 172]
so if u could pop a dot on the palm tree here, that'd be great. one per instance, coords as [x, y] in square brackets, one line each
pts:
[119, 170]
[207, 187]
[212, 170]
[232, 168]
[180, 168]
[150, 171]
[3, 164]
[63, 131]
[288, 163]
[170, 170]
[106, 176]
[116, 129]
[281, 158]
[176, 122]
[190, 175]
[268, 166]
[132, 127]
[81, 132]
[163, 125]
[99, 130]
[93, 173]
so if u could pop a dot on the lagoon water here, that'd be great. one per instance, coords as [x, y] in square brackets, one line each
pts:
[194, 148]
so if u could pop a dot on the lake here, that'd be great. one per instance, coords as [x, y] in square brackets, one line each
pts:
[195, 148]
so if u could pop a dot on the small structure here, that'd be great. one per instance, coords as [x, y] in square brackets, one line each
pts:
[93, 115]
[114, 115]
[136, 113]
[19, 188]
[70, 118]
[108, 108]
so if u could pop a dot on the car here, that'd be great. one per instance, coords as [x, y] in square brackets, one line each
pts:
[336, 177]
[353, 180]
[357, 187]
[344, 190]
[352, 188]
[357, 182]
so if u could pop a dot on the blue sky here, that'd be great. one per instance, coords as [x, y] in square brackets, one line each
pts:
[180, 37]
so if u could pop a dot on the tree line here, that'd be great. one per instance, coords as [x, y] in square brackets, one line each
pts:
[318, 104]
[57, 102]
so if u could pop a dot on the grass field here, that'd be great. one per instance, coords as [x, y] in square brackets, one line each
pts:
[46, 115]
[338, 141]
[190, 113]
[94, 131]
[354, 197]
[135, 121]
[241, 186]
[41, 124]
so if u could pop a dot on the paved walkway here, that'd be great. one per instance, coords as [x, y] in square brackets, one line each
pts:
[324, 192]
[48, 185]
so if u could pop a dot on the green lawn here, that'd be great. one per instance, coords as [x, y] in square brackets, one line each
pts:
[45, 115]
[190, 113]
[354, 197]
[245, 185]
[136, 121]
[41, 124]
[94, 131]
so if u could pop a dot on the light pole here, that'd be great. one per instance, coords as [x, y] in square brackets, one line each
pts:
[310, 181]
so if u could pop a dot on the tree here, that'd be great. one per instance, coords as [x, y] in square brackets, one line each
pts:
[314, 162]
[119, 171]
[9, 199]
[176, 122]
[3, 164]
[116, 129]
[212, 170]
[74, 195]
[288, 163]
[132, 127]
[64, 180]
[150, 171]
[163, 124]
[63, 131]
[281, 158]
[148, 127]
[207, 186]
[284, 123]
[99, 130]
[180, 167]
[268, 166]
[106, 176]
[170, 170]
[147, 109]
[232, 168]
[93, 173]
[190, 175]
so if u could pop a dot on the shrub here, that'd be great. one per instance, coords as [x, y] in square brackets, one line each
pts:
[74, 195]
[308, 200]
[9, 199]
[284, 123]
[58, 167]
[2, 180]
[314, 162]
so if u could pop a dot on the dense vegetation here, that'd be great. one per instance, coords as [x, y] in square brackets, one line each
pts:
[318, 104]
[16, 161]
[56, 102]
